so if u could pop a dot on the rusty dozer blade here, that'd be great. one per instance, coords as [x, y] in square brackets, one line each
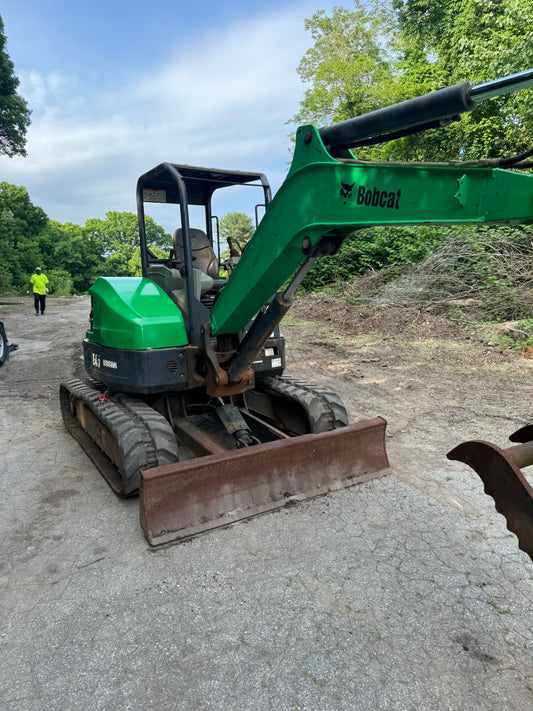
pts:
[181, 500]
[499, 470]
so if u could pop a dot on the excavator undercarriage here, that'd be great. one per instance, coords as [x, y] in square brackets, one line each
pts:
[301, 446]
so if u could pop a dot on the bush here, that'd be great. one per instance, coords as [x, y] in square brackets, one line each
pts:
[374, 248]
[488, 266]
[6, 279]
[60, 282]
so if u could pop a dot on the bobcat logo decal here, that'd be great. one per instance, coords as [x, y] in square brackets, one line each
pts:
[371, 196]
[346, 190]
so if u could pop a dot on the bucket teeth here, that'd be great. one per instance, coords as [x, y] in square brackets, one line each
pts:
[499, 469]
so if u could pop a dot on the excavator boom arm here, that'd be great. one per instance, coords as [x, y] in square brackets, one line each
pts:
[327, 193]
[327, 196]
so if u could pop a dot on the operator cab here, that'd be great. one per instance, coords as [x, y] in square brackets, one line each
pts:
[190, 273]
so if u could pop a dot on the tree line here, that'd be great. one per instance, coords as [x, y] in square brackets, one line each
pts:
[73, 256]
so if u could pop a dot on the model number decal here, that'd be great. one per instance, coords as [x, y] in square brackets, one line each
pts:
[371, 197]
[99, 362]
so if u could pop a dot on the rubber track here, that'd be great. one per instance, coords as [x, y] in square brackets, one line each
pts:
[160, 440]
[323, 406]
[144, 437]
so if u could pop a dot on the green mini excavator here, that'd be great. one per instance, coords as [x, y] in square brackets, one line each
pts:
[185, 397]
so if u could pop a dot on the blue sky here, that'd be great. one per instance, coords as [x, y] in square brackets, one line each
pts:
[117, 87]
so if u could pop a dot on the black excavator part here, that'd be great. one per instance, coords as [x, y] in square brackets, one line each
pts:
[5, 346]
[298, 407]
[122, 435]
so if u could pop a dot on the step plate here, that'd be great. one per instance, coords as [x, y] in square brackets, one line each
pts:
[181, 500]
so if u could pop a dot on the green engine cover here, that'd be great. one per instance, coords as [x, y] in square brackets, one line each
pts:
[134, 313]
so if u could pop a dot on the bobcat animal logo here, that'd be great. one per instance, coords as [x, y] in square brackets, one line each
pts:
[346, 190]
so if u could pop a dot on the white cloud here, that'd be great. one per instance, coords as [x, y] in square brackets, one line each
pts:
[223, 99]
[48, 91]
[252, 67]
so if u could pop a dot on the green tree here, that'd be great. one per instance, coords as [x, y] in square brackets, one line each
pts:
[387, 51]
[446, 42]
[9, 258]
[75, 252]
[118, 238]
[14, 112]
[236, 228]
[135, 265]
[347, 67]
[60, 282]
[29, 217]
[21, 223]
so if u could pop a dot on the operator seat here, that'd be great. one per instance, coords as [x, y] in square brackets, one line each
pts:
[207, 284]
[203, 254]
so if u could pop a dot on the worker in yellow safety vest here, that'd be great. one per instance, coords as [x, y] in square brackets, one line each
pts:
[39, 285]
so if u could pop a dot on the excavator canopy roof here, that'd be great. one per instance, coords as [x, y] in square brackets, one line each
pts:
[160, 184]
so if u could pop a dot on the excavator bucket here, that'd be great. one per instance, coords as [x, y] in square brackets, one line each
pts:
[500, 471]
[184, 499]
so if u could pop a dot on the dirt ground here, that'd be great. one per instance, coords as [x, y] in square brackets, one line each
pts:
[436, 383]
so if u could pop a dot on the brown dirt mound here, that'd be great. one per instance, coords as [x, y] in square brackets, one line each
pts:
[391, 319]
